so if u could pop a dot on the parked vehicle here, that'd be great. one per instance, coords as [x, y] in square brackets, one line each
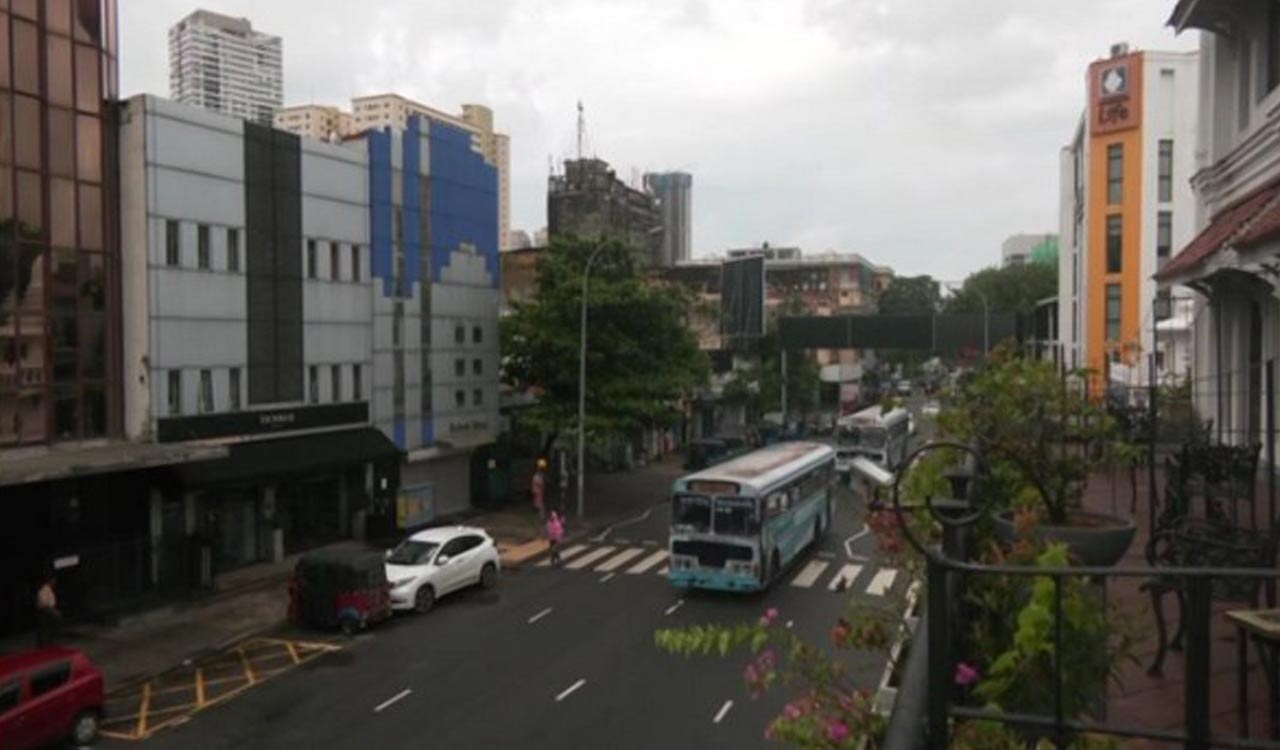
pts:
[48, 695]
[905, 388]
[711, 451]
[436, 562]
[875, 433]
[930, 409]
[340, 588]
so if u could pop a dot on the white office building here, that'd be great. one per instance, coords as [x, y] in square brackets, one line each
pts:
[222, 64]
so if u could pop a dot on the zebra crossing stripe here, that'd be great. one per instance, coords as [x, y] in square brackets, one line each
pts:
[664, 570]
[583, 561]
[565, 554]
[805, 578]
[882, 582]
[845, 577]
[648, 562]
[618, 560]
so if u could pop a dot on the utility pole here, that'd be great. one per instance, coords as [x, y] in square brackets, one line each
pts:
[784, 388]
[582, 128]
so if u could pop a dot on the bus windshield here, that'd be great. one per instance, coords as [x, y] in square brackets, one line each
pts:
[736, 515]
[867, 437]
[692, 511]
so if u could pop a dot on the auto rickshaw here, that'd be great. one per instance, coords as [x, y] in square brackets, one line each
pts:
[339, 588]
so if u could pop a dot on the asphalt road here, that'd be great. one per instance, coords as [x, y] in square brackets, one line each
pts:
[552, 658]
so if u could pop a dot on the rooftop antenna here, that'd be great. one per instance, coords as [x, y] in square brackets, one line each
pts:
[582, 128]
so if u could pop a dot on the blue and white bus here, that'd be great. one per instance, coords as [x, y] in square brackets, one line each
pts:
[737, 525]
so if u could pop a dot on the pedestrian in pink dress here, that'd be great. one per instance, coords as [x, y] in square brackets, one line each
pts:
[555, 535]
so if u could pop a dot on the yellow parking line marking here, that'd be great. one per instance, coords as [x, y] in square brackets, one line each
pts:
[116, 735]
[293, 652]
[199, 687]
[156, 691]
[248, 668]
[142, 710]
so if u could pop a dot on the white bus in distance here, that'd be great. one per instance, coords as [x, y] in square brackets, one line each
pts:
[879, 435]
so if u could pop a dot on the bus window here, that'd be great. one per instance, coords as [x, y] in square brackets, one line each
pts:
[736, 515]
[693, 511]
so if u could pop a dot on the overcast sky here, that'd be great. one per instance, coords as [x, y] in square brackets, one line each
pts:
[917, 132]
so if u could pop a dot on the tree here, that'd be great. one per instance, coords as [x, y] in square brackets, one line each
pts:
[1011, 289]
[642, 357]
[910, 295]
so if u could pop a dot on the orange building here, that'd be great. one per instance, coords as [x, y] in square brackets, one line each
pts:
[1126, 202]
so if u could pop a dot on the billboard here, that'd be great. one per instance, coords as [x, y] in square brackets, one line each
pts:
[415, 505]
[742, 300]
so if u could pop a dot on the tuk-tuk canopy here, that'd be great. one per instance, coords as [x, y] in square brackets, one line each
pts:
[338, 570]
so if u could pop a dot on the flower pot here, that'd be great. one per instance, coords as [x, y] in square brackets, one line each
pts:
[1095, 539]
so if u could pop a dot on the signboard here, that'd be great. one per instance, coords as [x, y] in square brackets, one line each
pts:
[415, 505]
[742, 301]
[171, 429]
[1115, 94]
[713, 488]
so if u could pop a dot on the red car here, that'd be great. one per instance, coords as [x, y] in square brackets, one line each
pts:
[48, 695]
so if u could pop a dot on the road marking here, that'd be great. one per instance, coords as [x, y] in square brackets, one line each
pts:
[845, 577]
[651, 542]
[848, 550]
[564, 554]
[622, 541]
[663, 570]
[200, 688]
[141, 731]
[827, 555]
[540, 615]
[603, 535]
[607, 577]
[790, 623]
[569, 690]
[674, 607]
[882, 582]
[648, 562]
[585, 560]
[805, 578]
[620, 559]
[723, 710]
[388, 702]
[248, 668]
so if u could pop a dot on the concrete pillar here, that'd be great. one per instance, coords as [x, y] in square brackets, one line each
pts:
[156, 513]
[274, 540]
[190, 506]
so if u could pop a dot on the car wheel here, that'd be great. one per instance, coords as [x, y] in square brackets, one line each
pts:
[350, 625]
[85, 728]
[424, 600]
[488, 576]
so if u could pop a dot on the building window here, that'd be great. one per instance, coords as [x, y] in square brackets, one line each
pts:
[477, 335]
[1164, 183]
[1113, 312]
[355, 262]
[314, 385]
[1115, 173]
[233, 249]
[202, 247]
[172, 243]
[1164, 234]
[357, 387]
[206, 391]
[1115, 243]
[477, 367]
[335, 265]
[311, 259]
[477, 397]
[460, 398]
[234, 388]
[460, 335]
[175, 393]
[460, 367]
[335, 382]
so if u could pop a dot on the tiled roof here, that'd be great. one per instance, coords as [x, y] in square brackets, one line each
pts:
[1234, 223]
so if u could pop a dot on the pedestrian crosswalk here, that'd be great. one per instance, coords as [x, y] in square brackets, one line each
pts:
[816, 572]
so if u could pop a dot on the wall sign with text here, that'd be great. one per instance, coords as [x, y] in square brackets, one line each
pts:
[1115, 94]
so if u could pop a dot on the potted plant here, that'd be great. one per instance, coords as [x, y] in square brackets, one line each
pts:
[1042, 437]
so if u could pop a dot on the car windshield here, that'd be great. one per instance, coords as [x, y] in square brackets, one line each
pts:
[736, 515]
[692, 511]
[412, 552]
[865, 437]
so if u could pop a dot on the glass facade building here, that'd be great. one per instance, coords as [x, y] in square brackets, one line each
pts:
[59, 300]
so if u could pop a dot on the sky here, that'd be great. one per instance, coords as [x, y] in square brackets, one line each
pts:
[918, 133]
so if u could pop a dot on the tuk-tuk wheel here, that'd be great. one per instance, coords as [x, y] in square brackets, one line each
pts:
[350, 625]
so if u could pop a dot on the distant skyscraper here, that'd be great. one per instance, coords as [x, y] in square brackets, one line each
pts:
[220, 63]
[675, 191]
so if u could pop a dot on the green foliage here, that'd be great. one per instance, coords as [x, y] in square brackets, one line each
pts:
[759, 386]
[910, 295]
[641, 356]
[1011, 289]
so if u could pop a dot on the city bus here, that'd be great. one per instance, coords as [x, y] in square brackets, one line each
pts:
[880, 435]
[736, 526]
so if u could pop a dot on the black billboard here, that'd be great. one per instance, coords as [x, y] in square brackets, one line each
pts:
[742, 298]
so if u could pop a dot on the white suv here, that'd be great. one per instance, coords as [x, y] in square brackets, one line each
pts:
[435, 562]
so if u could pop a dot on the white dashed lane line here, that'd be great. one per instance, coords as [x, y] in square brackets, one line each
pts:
[391, 701]
[540, 615]
[721, 713]
[570, 690]
[674, 607]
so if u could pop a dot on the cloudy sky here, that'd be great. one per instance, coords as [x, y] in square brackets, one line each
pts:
[917, 132]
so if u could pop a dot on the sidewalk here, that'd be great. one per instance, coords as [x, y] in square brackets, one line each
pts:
[255, 599]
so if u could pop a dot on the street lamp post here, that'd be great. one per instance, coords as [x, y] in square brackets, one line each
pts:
[582, 375]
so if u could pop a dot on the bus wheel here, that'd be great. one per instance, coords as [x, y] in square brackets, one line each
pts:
[775, 564]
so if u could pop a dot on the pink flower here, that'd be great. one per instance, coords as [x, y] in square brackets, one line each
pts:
[837, 731]
[966, 674]
[770, 615]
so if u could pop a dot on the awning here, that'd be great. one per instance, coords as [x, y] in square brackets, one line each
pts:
[1234, 225]
[312, 453]
[67, 461]
[1215, 16]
